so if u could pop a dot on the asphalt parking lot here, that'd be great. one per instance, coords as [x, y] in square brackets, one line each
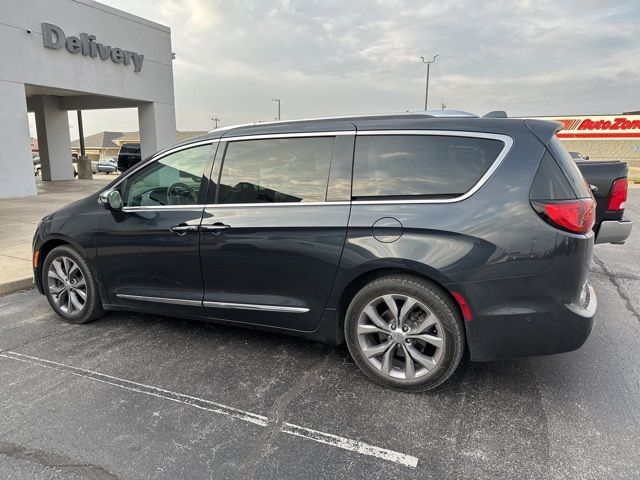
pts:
[140, 396]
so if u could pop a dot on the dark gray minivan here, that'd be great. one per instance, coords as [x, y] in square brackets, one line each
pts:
[413, 237]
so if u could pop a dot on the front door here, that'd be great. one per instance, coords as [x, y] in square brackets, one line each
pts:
[271, 243]
[148, 251]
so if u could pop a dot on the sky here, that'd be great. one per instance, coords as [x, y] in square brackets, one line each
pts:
[341, 57]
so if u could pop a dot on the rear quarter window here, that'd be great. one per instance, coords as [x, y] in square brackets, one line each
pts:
[550, 182]
[401, 166]
[571, 170]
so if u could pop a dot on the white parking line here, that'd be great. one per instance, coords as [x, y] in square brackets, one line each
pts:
[214, 407]
[351, 445]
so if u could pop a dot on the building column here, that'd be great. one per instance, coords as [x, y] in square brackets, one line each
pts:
[157, 122]
[54, 141]
[16, 165]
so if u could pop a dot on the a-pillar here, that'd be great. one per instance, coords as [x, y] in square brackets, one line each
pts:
[54, 142]
[157, 122]
[16, 166]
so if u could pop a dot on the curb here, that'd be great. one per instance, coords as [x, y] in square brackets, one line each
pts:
[24, 283]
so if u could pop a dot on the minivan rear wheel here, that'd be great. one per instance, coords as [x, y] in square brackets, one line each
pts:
[70, 286]
[405, 332]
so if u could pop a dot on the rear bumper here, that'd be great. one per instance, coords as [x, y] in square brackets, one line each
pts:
[614, 231]
[531, 328]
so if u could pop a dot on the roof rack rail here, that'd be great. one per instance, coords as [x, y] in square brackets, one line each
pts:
[425, 113]
[496, 114]
[446, 113]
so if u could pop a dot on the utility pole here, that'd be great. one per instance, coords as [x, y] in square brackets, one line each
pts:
[215, 121]
[277, 100]
[426, 91]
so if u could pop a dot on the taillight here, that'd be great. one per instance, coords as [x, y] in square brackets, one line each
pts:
[618, 198]
[575, 216]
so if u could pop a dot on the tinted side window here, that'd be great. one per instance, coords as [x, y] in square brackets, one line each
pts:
[276, 170]
[420, 165]
[550, 182]
[171, 180]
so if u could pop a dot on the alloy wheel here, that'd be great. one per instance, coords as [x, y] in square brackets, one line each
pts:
[67, 285]
[400, 336]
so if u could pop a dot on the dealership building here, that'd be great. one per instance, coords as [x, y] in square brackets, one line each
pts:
[67, 55]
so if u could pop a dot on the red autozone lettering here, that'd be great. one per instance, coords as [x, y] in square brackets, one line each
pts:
[588, 124]
[624, 124]
[620, 123]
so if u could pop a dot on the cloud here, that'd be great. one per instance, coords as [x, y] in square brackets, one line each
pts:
[362, 56]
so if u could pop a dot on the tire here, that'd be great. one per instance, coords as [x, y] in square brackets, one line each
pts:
[426, 326]
[65, 291]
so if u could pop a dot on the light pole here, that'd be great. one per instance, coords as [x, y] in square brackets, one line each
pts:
[215, 121]
[277, 100]
[426, 91]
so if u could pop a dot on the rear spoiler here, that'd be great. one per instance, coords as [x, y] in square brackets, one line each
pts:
[544, 130]
[496, 114]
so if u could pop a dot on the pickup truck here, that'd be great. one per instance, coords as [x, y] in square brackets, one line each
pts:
[128, 156]
[608, 182]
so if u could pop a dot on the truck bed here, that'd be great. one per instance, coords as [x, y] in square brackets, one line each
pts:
[602, 174]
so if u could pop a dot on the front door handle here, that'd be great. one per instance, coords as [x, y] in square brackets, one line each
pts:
[216, 227]
[183, 228]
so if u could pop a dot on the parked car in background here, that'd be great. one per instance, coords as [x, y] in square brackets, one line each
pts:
[107, 165]
[128, 156]
[36, 165]
[414, 238]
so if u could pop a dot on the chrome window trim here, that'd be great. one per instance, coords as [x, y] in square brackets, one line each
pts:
[173, 301]
[505, 139]
[253, 306]
[152, 208]
[275, 136]
[278, 204]
[198, 207]
[130, 172]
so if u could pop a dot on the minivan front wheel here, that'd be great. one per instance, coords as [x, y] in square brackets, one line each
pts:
[404, 332]
[70, 287]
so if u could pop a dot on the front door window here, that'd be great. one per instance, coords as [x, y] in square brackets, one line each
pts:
[172, 180]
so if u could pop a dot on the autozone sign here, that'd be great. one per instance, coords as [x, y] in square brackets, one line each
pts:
[610, 126]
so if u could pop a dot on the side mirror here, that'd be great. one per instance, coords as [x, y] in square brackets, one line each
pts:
[111, 199]
[586, 157]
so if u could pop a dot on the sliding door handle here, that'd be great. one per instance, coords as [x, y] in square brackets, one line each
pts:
[183, 228]
[216, 227]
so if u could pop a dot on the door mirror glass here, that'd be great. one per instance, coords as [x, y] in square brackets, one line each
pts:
[115, 200]
[111, 199]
